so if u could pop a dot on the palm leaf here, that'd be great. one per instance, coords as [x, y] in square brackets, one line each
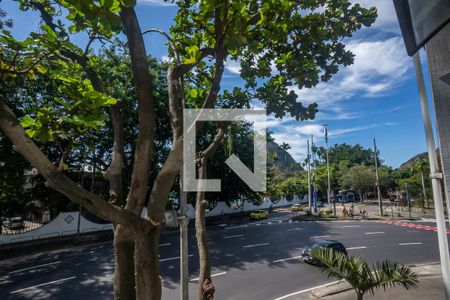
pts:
[360, 275]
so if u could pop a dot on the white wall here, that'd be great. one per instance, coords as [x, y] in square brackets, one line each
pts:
[66, 223]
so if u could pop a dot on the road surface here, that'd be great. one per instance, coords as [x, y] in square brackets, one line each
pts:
[251, 260]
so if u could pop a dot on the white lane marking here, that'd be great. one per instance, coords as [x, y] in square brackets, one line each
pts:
[350, 226]
[256, 245]
[221, 225]
[34, 267]
[409, 244]
[173, 258]
[290, 221]
[232, 236]
[356, 248]
[212, 275]
[305, 291]
[239, 226]
[285, 259]
[269, 223]
[43, 284]
[165, 244]
[320, 236]
[375, 232]
[5, 281]
[292, 229]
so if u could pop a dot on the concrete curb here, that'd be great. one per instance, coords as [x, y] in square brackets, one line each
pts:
[422, 270]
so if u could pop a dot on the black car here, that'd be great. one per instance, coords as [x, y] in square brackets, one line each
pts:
[337, 246]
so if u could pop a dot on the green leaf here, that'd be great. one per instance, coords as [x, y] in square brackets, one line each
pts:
[27, 122]
[41, 69]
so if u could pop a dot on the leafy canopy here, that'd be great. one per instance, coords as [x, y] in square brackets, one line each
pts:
[280, 45]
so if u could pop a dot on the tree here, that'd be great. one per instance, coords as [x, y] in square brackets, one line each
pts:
[359, 177]
[360, 275]
[304, 48]
[421, 166]
[355, 154]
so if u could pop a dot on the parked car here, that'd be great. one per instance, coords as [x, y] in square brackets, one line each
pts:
[14, 223]
[296, 207]
[337, 246]
[258, 214]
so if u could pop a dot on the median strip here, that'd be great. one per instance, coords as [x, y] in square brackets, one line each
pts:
[256, 245]
[43, 284]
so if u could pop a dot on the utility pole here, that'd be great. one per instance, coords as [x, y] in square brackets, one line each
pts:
[328, 170]
[436, 177]
[314, 174]
[79, 205]
[408, 199]
[309, 175]
[380, 203]
[184, 222]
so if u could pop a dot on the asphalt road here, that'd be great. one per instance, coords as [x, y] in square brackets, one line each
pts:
[251, 260]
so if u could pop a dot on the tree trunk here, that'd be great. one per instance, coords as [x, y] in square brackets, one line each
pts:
[124, 274]
[148, 282]
[359, 296]
[206, 288]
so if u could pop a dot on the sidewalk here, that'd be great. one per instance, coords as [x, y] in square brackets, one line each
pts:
[430, 287]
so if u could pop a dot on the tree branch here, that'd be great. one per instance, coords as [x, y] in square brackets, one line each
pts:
[146, 110]
[58, 181]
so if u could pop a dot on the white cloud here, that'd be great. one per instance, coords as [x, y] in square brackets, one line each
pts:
[233, 66]
[378, 67]
[342, 131]
[157, 2]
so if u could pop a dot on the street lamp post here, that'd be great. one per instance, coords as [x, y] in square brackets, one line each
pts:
[380, 202]
[314, 174]
[309, 175]
[328, 169]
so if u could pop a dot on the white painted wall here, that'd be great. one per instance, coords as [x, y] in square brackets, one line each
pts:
[66, 223]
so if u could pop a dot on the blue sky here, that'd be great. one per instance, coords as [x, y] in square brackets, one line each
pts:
[375, 97]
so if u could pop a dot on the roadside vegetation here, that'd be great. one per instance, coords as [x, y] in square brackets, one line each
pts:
[360, 275]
